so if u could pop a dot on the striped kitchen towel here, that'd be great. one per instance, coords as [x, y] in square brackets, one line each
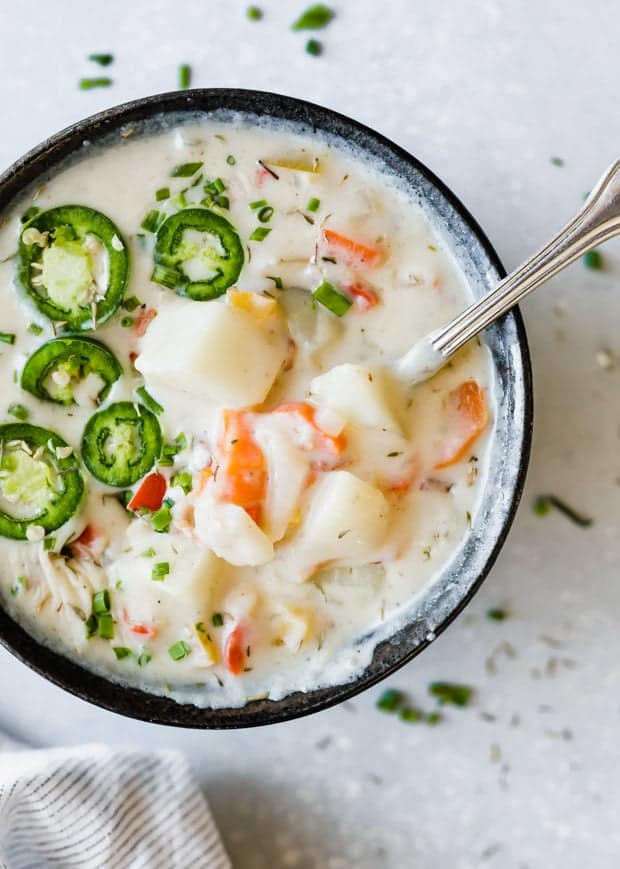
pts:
[97, 807]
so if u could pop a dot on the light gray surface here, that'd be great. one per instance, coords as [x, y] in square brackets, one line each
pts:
[485, 93]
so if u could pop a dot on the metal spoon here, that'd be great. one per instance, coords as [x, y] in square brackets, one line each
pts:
[598, 221]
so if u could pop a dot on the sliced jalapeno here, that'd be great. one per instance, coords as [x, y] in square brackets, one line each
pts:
[41, 486]
[197, 254]
[73, 262]
[121, 443]
[56, 368]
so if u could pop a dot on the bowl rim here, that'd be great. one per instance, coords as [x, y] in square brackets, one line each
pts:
[133, 702]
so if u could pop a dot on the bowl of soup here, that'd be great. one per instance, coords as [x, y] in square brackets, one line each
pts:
[218, 505]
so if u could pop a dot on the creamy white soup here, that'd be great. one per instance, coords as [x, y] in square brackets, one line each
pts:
[212, 483]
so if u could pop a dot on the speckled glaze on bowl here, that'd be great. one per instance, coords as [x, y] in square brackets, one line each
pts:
[436, 606]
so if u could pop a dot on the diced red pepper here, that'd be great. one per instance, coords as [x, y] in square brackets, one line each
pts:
[143, 321]
[234, 653]
[150, 493]
[364, 296]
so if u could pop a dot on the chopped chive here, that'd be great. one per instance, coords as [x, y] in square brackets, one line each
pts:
[254, 13]
[265, 214]
[106, 626]
[148, 400]
[160, 570]
[314, 48]
[166, 276]
[179, 650]
[217, 620]
[184, 480]
[390, 700]
[92, 623]
[19, 585]
[185, 76]
[196, 181]
[101, 59]
[180, 200]
[101, 602]
[118, 585]
[7, 337]
[276, 280]
[144, 657]
[330, 298]
[313, 204]
[222, 201]
[433, 718]
[87, 84]
[181, 441]
[148, 553]
[496, 614]
[161, 519]
[410, 714]
[186, 170]
[30, 213]
[258, 203]
[162, 193]
[127, 322]
[260, 233]
[19, 411]
[593, 259]
[450, 692]
[131, 303]
[151, 221]
[35, 329]
[544, 503]
[121, 652]
[231, 160]
[216, 186]
[49, 543]
[314, 18]
[557, 161]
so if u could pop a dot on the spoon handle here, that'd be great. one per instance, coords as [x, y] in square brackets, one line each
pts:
[598, 220]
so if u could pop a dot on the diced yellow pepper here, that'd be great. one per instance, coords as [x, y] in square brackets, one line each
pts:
[261, 307]
[206, 642]
[294, 627]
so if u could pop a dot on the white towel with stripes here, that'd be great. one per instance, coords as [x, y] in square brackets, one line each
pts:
[97, 807]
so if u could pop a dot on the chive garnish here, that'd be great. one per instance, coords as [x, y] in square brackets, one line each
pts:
[265, 214]
[19, 411]
[433, 718]
[101, 59]
[231, 160]
[101, 602]
[160, 570]
[144, 657]
[179, 650]
[148, 553]
[127, 322]
[161, 519]
[253, 13]
[276, 280]
[121, 652]
[258, 203]
[450, 692]
[19, 585]
[180, 200]
[313, 204]
[217, 620]
[92, 623]
[106, 626]
[35, 329]
[557, 161]
[390, 700]
[7, 337]
[184, 480]
[185, 76]
[260, 233]
[131, 303]
[314, 18]
[162, 193]
[411, 714]
[166, 276]
[49, 543]
[496, 614]
[544, 503]
[330, 298]
[148, 400]
[593, 259]
[87, 84]
[185, 170]
[151, 221]
[314, 48]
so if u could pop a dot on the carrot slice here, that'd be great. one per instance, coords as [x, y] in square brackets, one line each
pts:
[334, 444]
[354, 251]
[149, 494]
[138, 628]
[364, 296]
[468, 418]
[234, 653]
[143, 321]
[244, 479]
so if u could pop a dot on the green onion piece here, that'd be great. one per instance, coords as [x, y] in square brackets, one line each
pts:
[19, 585]
[162, 193]
[222, 201]
[265, 214]
[92, 623]
[258, 203]
[276, 280]
[87, 84]
[160, 570]
[314, 18]
[314, 48]
[148, 401]
[148, 553]
[544, 503]
[49, 543]
[593, 259]
[185, 170]
[180, 200]
[450, 692]
[410, 714]
[30, 213]
[260, 233]
[231, 160]
[7, 337]
[161, 519]
[151, 221]
[144, 657]
[181, 441]
[496, 614]
[179, 650]
[118, 585]
[216, 186]
[121, 652]
[217, 620]
[106, 626]
[433, 718]
[184, 480]
[253, 13]
[101, 602]
[313, 204]
[127, 322]
[390, 700]
[19, 411]
[330, 298]
[101, 59]
[185, 76]
[165, 276]
[35, 329]
[557, 161]
[131, 303]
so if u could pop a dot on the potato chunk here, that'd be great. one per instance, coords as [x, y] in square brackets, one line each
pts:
[213, 351]
[361, 395]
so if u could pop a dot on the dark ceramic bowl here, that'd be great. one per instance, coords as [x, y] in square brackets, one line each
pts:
[437, 605]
